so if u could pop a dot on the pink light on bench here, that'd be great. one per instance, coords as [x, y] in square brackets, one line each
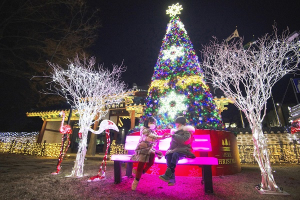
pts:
[120, 157]
[196, 161]
[131, 142]
[201, 142]
[164, 144]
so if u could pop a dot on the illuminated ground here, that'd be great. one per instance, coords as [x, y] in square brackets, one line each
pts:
[28, 177]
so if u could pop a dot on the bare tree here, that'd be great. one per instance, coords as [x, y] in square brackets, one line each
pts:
[89, 91]
[247, 77]
[32, 31]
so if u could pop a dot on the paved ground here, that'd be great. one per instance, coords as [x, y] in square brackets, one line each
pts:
[29, 177]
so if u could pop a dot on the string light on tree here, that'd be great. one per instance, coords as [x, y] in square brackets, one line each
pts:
[173, 53]
[89, 91]
[181, 26]
[177, 71]
[172, 104]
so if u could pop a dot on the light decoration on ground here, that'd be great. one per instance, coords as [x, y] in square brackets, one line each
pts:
[21, 137]
[173, 53]
[105, 125]
[27, 148]
[172, 104]
[178, 69]
[280, 154]
[230, 67]
[174, 10]
[89, 90]
[117, 148]
[65, 130]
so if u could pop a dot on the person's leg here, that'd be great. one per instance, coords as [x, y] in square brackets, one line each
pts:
[150, 163]
[168, 159]
[166, 177]
[139, 172]
[174, 160]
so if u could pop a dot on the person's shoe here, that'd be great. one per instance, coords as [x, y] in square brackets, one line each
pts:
[166, 177]
[134, 184]
[134, 170]
[172, 180]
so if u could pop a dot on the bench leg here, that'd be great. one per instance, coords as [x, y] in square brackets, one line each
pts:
[129, 169]
[117, 171]
[207, 178]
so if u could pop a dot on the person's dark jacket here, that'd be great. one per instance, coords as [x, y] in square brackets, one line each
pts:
[181, 141]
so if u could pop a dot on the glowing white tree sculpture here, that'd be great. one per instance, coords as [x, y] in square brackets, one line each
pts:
[89, 91]
[247, 75]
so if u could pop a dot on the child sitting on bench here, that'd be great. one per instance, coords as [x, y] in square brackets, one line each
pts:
[145, 152]
[180, 147]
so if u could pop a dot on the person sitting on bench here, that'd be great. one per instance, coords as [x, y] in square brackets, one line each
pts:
[145, 152]
[180, 147]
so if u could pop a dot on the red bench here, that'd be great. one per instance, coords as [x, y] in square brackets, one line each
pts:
[201, 144]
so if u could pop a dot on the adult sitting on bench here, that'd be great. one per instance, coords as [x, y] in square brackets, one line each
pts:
[180, 147]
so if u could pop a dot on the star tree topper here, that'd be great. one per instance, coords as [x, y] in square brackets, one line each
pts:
[174, 10]
[172, 104]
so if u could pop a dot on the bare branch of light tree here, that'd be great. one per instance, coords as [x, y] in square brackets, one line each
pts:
[247, 76]
[89, 90]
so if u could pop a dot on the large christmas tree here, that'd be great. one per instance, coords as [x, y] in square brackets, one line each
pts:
[178, 87]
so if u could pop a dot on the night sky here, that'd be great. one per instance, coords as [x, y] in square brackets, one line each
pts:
[132, 30]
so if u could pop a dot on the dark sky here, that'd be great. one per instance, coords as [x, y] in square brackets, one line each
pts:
[133, 29]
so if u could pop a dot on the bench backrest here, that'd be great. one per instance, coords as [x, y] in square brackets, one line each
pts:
[201, 143]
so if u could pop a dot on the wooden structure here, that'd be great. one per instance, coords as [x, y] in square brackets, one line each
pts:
[130, 108]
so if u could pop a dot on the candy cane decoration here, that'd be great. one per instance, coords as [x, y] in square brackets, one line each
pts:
[105, 125]
[64, 129]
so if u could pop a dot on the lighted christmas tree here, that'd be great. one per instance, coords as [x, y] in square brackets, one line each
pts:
[178, 87]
